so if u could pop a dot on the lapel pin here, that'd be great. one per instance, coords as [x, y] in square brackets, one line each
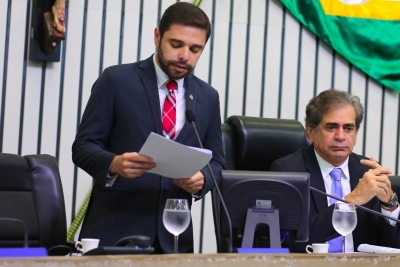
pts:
[191, 97]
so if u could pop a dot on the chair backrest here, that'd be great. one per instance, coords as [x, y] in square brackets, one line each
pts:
[31, 191]
[252, 144]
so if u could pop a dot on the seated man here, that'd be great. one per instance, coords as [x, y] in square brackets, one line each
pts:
[332, 122]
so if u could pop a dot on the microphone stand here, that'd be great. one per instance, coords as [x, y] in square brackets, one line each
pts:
[358, 206]
[218, 191]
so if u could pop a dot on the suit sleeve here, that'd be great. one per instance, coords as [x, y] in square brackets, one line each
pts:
[89, 148]
[213, 141]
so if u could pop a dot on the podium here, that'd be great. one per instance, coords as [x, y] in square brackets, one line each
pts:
[213, 260]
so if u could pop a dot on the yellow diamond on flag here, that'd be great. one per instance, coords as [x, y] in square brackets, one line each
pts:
[368, 9]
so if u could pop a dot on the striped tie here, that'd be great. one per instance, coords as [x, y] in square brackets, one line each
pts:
[336, 244]
[169, 111]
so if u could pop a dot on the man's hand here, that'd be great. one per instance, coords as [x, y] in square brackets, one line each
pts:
[191, 185]
[375, 182]
[131, 165]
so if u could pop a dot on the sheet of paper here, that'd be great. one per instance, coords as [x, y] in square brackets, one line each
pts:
[376, 249]
[174, 160]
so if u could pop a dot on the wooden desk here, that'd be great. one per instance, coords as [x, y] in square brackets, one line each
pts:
[210, 260]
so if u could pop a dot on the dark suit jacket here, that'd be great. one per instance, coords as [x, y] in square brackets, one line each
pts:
[122, 111]
[370, 228]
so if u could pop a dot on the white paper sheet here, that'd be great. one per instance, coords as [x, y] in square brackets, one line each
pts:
[174, 160]
[376, 249]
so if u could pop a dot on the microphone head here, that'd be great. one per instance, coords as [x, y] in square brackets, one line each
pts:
[190, 116]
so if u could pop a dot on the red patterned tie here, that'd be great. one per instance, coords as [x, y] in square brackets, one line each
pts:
[169, 111]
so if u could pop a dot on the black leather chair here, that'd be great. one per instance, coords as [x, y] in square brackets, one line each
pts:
[31, 191]
[252, 143]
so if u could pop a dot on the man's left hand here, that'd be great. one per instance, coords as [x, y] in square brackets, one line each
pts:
[385, 192]
[191, 185]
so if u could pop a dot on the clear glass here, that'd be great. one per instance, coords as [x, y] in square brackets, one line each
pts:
[176, 218]
[344, 219]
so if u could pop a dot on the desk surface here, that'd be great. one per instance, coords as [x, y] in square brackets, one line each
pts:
[220, 260]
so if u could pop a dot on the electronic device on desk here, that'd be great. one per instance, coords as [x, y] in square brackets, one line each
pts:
[137, 244]
[258, 201]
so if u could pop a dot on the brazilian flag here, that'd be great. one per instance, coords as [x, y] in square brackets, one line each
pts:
[365, 32]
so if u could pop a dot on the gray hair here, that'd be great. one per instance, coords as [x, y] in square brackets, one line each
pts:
[329, 100]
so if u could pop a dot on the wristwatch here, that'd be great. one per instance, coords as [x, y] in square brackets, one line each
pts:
[394, 201]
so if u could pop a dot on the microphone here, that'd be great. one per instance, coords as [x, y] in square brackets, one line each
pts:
[191, 119]
[358, 206]
[23, 224]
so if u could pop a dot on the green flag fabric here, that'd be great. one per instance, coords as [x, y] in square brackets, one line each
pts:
[365, 32]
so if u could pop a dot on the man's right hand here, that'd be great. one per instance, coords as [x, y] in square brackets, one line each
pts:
[375, 182]
[131, 165]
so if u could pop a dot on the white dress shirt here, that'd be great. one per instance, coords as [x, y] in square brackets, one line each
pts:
[326, 168]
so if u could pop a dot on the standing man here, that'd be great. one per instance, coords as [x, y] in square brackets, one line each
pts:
[333, 119]
[127, 103]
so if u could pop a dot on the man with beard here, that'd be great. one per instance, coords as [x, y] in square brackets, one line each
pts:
[127, 103]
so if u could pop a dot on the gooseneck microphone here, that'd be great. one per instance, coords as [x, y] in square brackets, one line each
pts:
[358, 206]
[191, 119]
[23, 224]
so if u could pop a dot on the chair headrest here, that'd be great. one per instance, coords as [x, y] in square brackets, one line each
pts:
[261, 141]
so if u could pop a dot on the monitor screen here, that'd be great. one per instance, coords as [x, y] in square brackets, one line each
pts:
[248, 192]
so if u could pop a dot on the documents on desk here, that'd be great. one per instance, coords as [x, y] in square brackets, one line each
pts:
[376, 249]
[174, 160]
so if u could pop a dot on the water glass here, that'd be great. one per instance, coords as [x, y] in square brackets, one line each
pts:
[344, 219]
[176, 218]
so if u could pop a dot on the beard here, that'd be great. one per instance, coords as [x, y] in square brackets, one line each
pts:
[168, 66]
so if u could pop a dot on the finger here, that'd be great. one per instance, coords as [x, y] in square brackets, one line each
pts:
[384, 185]
[383, 192]
[136, 157]
[380, 171]
[375, 165]
[143, 165]
[372, 159]
[376, 172]
[370, 163]
[195, 185]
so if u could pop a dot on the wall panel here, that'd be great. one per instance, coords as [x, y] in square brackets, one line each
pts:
[273, 62]
[14, 75]
[287, 104]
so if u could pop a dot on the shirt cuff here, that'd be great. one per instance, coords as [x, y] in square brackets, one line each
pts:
[394, 214]
[110, 179]
[197, 195]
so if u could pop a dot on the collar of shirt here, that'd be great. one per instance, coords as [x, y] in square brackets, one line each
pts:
[162, 78]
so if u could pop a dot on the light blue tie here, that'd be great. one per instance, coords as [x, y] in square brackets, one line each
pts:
[336, 244]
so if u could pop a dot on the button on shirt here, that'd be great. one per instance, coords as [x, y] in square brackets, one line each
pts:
[326, 168]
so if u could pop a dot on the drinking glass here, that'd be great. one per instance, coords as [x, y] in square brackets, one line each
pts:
[344, 219]
[176, 218]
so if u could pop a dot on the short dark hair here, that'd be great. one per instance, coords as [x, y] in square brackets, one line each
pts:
[186, 14]
[329, 100]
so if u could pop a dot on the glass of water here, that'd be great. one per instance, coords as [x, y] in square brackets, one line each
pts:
[344, 219]
[176, 218]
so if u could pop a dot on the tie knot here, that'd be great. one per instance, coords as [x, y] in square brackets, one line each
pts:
[336, 174]
[171, 85]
